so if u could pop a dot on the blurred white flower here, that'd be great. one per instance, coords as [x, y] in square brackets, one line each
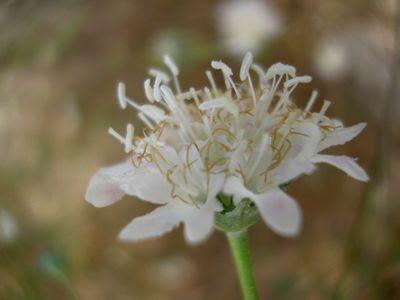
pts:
[8, 227]
[331, 59]
[237, 141]
[246, 25]
[362, 54]
[363, 58]
[166, 42]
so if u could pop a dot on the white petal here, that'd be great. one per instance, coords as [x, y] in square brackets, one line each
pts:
[344, 163]
[290, 170]
[199, 224]
[234, 186]
[148, 184]
[341, 136]
[104, 188]
[160, 221]
[215, 186]
[305, 144]
[280, 212]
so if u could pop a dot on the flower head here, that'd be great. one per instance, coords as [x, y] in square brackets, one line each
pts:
[206, 152]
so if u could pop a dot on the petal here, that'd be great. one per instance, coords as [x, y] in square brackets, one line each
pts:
[103, 188]
[290, 170]
[341, 136]
[158, 222]
[344, 163]
[199, 224]
[148, 184]
[304, 144]
[280, 212]
[234, 186]
[215, 186]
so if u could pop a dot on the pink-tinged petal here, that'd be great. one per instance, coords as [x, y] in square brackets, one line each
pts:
[280, 212]
[103, 189]
[341, 136]
[344, 163]
[158, 222]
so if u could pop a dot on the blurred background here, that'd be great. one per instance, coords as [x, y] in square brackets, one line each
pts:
[59, 64]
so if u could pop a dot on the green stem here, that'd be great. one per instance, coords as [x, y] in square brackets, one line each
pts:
[240, 250]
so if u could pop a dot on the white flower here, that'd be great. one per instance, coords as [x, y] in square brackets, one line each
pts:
[202, 144]
[246, 25]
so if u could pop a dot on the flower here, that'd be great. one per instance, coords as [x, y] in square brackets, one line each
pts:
[203, 146]
[246, 25]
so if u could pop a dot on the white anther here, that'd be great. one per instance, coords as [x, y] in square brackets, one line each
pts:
[121, 95]
[174, 70]
[148, 90]
[297, 80]
[219, 65]
[171, 65]
[128, 138]
[280, 69]
[156, 88]
[156, 72]
[227, 72]
[169, 97]
[245, 67]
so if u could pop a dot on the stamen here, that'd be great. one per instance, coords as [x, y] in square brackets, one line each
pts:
[156, 88]
[280, 69]
[148, 90]
[128, 138]
[212, 81]
[156, 72]
[260, 72]
[244, 74]
[121, 95]
[245, 67]
[208, 93]
[323, 110]
[145, 120]
[311, 102]
[227, 72]
[115, 134]
[170, 99]
[260, 154]
[297, 80]
[194, 96]
[174, 70]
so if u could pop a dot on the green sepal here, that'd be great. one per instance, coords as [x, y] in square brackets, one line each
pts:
[235, 218]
